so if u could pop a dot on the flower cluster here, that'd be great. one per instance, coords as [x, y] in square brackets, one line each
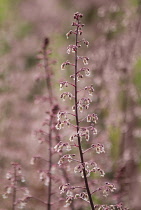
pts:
[62, 118]
[82, 195]
[99, 148]
[66, 94]
[85, 42]
[83, 103]
[63, 84]
[93, 129]
[84, 59]
[86, 70]
[70, 195]
[61, 114]
[69, 200]
[65, 64]
[108, 189]
[61, 124]
[92, 118]
[73, 137]
[14, 177]
[90, 89]
[72, 48]
[79, 75]
[89, 167]
[34, 160]
[21, 204]
[67, 188]
[59, 147]
[84, 133]
[44, 177]
[68, 157]
[110, 207]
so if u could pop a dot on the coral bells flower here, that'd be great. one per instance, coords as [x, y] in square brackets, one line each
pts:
[99, 148]
[8, 176]
[84, 196]
[5, 195]
[59, 147]
[90, 90]
[21, 204]
[78, 15]
[92, 118]
[64, 188]
[68, 201]
[63, 65]
[80, 133]
[68, 157]
[85, 60]
[69, 33]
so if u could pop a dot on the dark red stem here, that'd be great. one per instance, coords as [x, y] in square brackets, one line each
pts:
[77, 125]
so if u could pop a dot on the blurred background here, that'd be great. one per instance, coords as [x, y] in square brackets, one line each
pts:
[113, 28]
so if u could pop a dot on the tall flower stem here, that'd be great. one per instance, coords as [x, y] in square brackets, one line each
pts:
[54, 109]
[77, 122]
[49, 88]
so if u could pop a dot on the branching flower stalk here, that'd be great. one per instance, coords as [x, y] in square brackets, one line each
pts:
[14, 176]
[46, 136]
[80, 132]
[51, 98]
[50, 134]
[78, 31]
[78, 104]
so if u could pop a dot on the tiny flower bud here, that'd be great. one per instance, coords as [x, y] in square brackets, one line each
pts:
[21, 204]
[63, 66]
[32, 161]
[8, 176]
[69, 33]
[42, 175]
[87, 72]
[9, 190]
[68, 147]
[85, 60]
[94, 131]
[84, 196]
[5, 195]
[47, 181]
[22, 179]
[73, 108]
[89, 118]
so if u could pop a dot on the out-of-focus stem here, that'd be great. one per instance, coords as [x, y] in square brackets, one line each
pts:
[47, 72]
[50, 164]
[49, 88]
[65, 174]
[14, 187]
